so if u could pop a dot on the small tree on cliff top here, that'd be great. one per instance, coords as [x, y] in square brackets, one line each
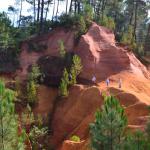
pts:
[108, 128]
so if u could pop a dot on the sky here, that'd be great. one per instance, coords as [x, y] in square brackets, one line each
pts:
[5, 3]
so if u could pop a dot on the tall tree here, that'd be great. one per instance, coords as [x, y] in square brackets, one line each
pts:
[38, 11]
[41, 17]
[57, 9]
[20, 15]
[9, 137]
[108, 128]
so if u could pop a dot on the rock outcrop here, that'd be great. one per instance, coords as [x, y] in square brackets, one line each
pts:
[102, 58]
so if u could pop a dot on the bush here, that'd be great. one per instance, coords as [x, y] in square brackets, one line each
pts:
[32, 92]
[75, 69]
[88, 13]
[32, 84]
[62, 50]
[139, 50]
[63, 88]
[128, 38]
[75, 138]
[107, 22]
[81, 27]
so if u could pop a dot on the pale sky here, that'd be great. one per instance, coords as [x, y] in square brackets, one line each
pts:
[5, 3]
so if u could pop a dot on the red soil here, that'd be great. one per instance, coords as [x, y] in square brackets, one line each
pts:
[73, 114]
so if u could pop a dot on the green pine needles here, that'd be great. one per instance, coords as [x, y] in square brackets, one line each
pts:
[70, 78]
[32, 84]
[107, 130]
[9, 136]
[63, 88]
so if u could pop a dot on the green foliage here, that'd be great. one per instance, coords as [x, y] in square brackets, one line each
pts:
[75, 138]
[107, 22]
[77, 64]
[9, 137]
[32, 92]
[76, 68]
[27, 117]
[63, 88]
[128, 38]
[108, 128]
[81, 27]
[139, 50]
[32, 84]
[18, 87]
[88, 12]
[35, 134]
[73, 76]
[35, 73]
[62, 50]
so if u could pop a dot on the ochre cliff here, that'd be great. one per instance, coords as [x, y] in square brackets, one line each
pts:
[100, 57]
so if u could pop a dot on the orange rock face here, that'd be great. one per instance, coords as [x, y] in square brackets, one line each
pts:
[101, 57]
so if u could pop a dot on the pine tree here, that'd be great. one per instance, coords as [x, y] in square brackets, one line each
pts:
[62, 50]
[32, 92]
[77, 64]
[32, 84]
[9, 137]
[128, 38]
[35, 73]
[108, 128]
[63, 88]
[75, 69]
[73, 76]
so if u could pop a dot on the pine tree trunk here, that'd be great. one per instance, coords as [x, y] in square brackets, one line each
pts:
[34, 10]
[75, 6]
[78, 7]
[41, 19]
[57, 10]
[47, 9]
[2, 134]
[53, 9]
[38, 11]
[66, 6]
[135, 21]
[70, 9]
[20, 13]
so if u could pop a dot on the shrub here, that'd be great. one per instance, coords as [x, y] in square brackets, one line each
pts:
[81, 27]
[62, 50]
[75, 69]
[35, 73]
[63, 88]
[77, 64]
[32, 92]
[107, 22]
[73, 76]
[140, 50]
[88, 13]
[32, 84]
[128, 38]
[75, 138]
